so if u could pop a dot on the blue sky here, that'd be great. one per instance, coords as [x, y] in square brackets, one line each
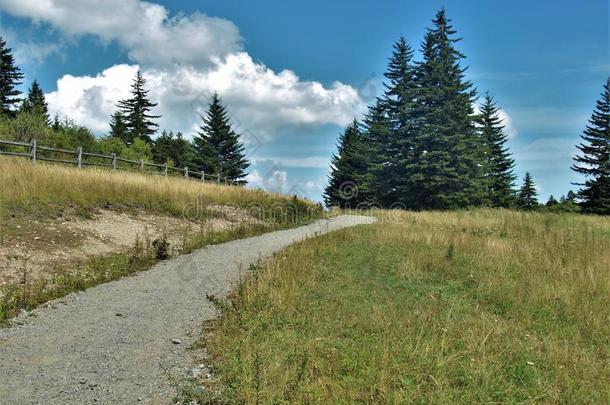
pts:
[545, 62]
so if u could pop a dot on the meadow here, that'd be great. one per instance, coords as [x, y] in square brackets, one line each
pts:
[490, 306]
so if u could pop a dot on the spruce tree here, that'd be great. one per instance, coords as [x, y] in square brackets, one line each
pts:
[36, 102]
[347, 168]
[378, 180]
[119, 129]
[499, 164]
[527, 198]
[448, 156]
[217, 145]
[136, 111]
[173, 147]
[594, 159]
[56, 124]
[399, 103]
[10, 78]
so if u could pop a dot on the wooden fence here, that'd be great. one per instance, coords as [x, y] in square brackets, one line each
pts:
[80, 158]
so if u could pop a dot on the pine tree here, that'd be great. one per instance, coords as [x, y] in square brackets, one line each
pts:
[499, 164]
[399, 103]
[119, 129]
[10, 78]
[136, 112]
[174, 148]
[526, 199]
[56, 124]
[36, 102]
[347, 168]
[594, 160]
[448, 165]
[378, 180]
[217, 145]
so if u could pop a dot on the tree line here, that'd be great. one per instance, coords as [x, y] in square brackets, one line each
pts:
[422, 146]
[215, 149]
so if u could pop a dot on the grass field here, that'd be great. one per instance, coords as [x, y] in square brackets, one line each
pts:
[485, 306]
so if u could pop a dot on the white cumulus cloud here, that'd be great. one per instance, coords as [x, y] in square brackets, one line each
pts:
[185, 58]
[505, 119]
[150, 34]
[260, 101]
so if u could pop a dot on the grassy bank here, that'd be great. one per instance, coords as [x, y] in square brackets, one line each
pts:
[34, 196]
[483, 306]
[44, 190]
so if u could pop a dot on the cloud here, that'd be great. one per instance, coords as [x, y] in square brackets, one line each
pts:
[151, 36]
[29, 52]
[274, 180]
[185, 58]
[90, 100]
[313, 162]
[260, 100]
[505, 119]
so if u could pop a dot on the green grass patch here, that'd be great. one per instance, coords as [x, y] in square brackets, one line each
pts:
[471, 307]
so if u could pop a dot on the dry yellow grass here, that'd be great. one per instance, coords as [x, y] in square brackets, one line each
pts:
[485, 306]
[43, 188]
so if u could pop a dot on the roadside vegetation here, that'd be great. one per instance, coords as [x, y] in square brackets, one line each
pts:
[35, 196]
[446, 307]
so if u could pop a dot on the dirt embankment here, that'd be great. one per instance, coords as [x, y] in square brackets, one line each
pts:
[38, 249]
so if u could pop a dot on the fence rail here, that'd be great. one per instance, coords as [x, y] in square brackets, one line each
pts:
[34, 152]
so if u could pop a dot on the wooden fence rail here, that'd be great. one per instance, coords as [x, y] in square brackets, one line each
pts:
[35, 152]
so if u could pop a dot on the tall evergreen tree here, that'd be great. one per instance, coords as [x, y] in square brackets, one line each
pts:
[136, 111]
[378, 182]
[399, 101]
[119, 129]
[448, 155]
[10, 78]
[527, 198]
[499, 164]
[217, 145]
[347, 168]
[36, 102]
[594, 159]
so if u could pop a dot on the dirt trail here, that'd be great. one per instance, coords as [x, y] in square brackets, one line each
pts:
[112, 343]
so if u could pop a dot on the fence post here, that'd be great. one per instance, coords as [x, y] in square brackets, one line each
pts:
[142, 164]
[165, 169]
[79, 157]
[34, 150]
[202, 175]
[186, 172]
[114, 161]
[226, 181]
[218, 179]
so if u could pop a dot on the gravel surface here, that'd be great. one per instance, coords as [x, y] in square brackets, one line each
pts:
[118, 342]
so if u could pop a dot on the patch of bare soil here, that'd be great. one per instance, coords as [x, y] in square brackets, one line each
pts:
[32, 250]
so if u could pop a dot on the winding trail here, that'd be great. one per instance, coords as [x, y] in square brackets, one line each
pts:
[112, 343]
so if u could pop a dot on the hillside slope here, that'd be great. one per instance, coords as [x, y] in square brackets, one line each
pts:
[64, 229]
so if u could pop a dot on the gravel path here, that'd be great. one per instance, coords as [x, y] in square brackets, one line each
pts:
[112, 343]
